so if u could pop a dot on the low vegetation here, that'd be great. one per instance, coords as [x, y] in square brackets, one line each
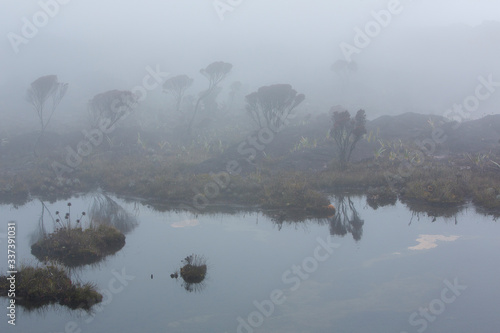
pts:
[280, 177]
[50, 284]
[194, 269]
[77, 247]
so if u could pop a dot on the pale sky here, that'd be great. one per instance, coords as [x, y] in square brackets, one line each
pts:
[100, 45]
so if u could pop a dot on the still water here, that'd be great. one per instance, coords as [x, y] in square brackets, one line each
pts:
[383, 270]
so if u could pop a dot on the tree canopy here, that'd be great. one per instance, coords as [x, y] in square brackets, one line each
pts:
[42, 90]
[178, 85]
[346, 132]
[215, 73]
[111, 105]
[271, 105]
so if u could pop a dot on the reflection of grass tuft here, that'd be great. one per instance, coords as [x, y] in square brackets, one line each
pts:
[39, 286]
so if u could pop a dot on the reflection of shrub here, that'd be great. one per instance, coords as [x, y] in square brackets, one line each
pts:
[76, 247]
[37, 286]
[380, 197]
[194, 269]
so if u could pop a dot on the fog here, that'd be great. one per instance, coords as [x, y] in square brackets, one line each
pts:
[426, 58]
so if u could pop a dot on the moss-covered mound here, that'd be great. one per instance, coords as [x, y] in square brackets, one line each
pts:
[39, 286]
[77, 247]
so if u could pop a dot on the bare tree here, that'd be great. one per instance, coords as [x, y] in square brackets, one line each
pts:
[45, 94]
[177, 85]
[215, 73]
[271, 105]
[111, 106]
[346, 133]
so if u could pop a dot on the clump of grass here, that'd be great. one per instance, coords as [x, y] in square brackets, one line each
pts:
[77, 247]
[194, 269]
[39, 286]
[71, 245]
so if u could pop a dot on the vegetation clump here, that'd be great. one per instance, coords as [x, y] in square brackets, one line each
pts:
[194, 269]
[74, 246]
[78, 247]
[39, 286]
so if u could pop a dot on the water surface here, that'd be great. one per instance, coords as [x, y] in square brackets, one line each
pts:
[384, 274]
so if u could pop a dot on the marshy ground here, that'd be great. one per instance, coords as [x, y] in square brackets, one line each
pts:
[294, 173]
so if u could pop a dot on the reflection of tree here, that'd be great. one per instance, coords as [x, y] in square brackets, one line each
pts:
[434, 211]
[105, 210]
[40, 232]
[346, 220]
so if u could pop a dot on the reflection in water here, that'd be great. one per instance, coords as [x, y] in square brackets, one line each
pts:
[105, 210]
[433, 210]
[346, 220]
[40, 232]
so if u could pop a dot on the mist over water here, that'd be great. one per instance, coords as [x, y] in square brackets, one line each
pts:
[251, 165]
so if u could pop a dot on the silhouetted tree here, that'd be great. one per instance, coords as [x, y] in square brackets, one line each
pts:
[45, 94]
[271, 105]
[111, 106]
[347, 132]
[215, 73]
[42, 90]
[177, 85]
